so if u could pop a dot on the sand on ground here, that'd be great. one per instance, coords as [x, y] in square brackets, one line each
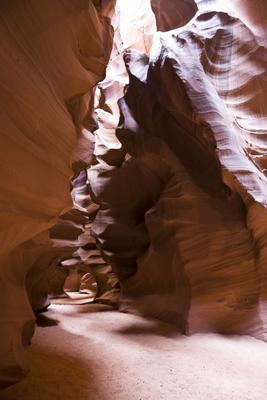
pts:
[86, 353]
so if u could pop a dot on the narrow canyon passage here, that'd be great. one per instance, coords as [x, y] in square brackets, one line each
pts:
[133, 199]
[91, 353]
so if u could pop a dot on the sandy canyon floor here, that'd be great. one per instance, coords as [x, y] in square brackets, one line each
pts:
[90, 353]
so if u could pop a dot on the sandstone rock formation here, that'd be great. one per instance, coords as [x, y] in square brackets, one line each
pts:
[168, 153]
[52, 55]
[81, 267]
[182, 202]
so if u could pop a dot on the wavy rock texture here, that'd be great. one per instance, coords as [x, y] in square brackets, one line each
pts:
[178, 163]
[134, 29]
[172, 14]
[183, 199]
[52, 54]
[80, 267]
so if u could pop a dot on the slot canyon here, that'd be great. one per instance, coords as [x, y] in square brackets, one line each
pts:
[133, 200]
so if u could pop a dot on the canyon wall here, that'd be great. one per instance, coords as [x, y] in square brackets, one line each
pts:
[167, 152]
[52, 56]
[183, 199]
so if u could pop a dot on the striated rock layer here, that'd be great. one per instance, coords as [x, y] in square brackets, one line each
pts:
[52, 55]
[183, 199]
[170, 148]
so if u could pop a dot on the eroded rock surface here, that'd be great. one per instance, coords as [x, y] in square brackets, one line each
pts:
[170, 148]
[52, 55]
[183, 208]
